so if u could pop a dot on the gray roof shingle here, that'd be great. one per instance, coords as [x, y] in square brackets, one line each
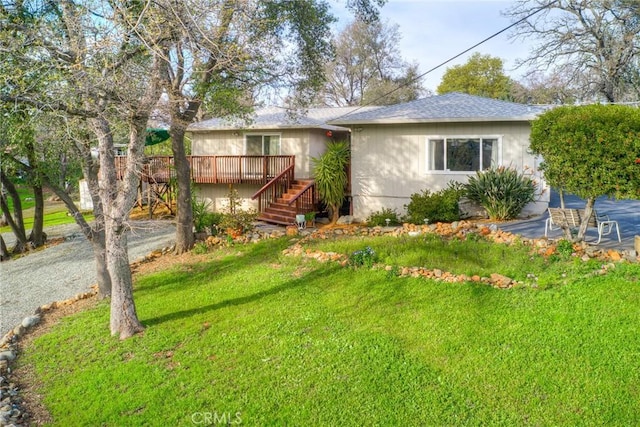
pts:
[279, 118]
[451, 107]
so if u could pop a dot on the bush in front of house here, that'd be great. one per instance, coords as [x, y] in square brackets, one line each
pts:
[502, 191]
[236, 220]
[441, 206]
[378, 218]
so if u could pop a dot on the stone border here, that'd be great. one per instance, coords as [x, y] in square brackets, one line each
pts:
[461, 230]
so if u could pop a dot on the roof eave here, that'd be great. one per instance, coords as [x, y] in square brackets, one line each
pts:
[436, 120]
[330, 127]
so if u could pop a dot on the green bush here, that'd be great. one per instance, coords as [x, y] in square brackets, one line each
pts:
[235, 218]
[441, 206]
[502, 191]
[200, 248]
[213, 220]
[564, 249]
[200, 208]
[379, 218]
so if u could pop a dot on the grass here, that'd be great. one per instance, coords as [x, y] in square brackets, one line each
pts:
[250, 335]
[55, 212]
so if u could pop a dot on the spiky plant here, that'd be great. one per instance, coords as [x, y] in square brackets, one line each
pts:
[330, 173]
[502, 191]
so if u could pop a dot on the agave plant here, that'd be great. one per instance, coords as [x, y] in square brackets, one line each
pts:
[502, 191]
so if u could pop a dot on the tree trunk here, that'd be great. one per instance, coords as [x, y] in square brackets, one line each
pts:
[4, 252]
[588, 211]
[335, 213]
[124, 319]
[37, 236]
[184, 222]
[15, 221]
[117, 197]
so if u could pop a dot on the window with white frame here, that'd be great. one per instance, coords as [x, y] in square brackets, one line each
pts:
[262, 145]
[462, 154]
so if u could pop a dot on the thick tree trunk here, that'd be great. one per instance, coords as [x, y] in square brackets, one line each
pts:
[124, 319]
[117, 198]
[98, 243]
[184, 223]
[37, 236]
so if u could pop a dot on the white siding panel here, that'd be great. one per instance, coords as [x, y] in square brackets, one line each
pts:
[217, 195]
[389, 162]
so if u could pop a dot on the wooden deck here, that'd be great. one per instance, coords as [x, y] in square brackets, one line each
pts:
[215, 169]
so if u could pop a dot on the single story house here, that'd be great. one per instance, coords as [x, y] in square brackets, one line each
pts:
[396, 150]
[424, 144]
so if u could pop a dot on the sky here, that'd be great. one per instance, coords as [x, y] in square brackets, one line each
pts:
[433, 31]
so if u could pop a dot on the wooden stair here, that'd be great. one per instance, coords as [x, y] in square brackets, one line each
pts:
[279, 211]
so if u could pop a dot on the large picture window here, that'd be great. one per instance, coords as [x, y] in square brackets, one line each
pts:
[262, 145]
[462, 154]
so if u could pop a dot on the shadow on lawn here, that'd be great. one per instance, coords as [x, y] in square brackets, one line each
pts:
[198, 273]
[311, 277]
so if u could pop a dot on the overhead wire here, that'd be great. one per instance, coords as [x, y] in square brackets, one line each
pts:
[494, 35]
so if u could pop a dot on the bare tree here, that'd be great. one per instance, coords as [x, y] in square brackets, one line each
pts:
[542, 88]
[99, 71]
[597, 42]
[368, 68]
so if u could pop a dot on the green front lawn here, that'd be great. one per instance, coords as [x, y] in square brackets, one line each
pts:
[251, 335]
[55, 213]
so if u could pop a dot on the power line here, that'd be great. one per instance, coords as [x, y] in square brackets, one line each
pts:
[452, 58]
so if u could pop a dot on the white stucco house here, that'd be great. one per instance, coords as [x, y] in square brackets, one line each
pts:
[396, 151]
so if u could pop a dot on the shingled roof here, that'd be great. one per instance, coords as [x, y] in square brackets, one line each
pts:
[280, 118]
[451, 107]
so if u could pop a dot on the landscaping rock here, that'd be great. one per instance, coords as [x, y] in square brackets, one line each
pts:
[346, 220]
[8, 355]
[500, 281]
[30, 321]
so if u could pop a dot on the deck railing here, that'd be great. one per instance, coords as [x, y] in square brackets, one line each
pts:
[215, 169]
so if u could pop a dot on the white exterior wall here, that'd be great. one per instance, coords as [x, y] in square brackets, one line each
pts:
[217, 195]
[389, 162]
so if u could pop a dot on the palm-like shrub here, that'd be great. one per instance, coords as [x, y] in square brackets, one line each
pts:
[330, 172]
[502, 191]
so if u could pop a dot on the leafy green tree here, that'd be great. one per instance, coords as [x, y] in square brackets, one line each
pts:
[209, 64]
[590, 151]
[330, 172]
[481, 75]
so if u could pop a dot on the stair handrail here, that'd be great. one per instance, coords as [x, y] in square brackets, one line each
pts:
[301, 192]
[284, 176]
[272, 182]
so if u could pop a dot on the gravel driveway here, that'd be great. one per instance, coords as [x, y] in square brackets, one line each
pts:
[64, 270]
